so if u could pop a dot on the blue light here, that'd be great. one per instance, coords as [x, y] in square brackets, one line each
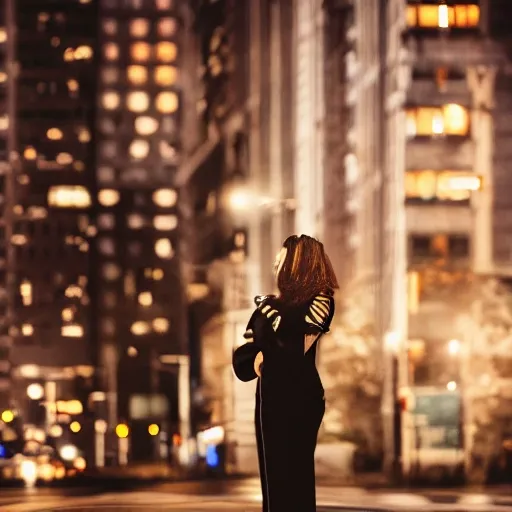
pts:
[212, 457]
[3, 451]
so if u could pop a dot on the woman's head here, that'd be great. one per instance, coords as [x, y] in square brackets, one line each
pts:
[303, 269]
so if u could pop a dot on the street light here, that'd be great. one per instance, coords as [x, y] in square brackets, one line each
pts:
[242, 199]
[35, 391]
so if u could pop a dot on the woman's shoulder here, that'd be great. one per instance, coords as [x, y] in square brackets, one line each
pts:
[320, 311]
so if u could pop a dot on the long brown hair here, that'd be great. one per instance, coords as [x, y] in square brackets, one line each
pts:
[306, 271]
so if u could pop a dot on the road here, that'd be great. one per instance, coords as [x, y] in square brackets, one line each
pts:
[241, 496]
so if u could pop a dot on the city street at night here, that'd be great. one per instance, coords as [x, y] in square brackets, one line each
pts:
[244, 495]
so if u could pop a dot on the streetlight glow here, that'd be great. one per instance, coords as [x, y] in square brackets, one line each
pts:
[240, 199]
[453, 347]
[35, 391]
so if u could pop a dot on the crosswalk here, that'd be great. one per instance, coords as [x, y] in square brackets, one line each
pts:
[246, 497]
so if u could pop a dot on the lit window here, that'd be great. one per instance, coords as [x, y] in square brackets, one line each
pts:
[110, 100]
[64, 159]
[450, 119]
[160, 325]
[165, 222]
[83, 53]
[157, 274]
[54, 134]
[137, 75]
[145, 299]
[111, 271]
[78, 165]
[443, 16]
[165, 197]
[67, 314]
[3, 35]
[167, 27]
[110, 75]
[30, 153]
[110, 27]
[164, 249]
[135, 221]
[26, 292]
[111, 51]
[140, 52]
[106, 174]
[73, 85]
[145, 125]
[3, 77]
[84, 135]
[27, 329]
[4, 122]
[19, 239]
[163, 5]
[69, 196]
[167, 102]
[72, 331]
[166, 75]
[166, 51]
[140, 328]
[441, 185]
[139, 149]
[108, 197]
[69, 54]
[139, 28]
[137, 101]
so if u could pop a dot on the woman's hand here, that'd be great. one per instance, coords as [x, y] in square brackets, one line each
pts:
[258, 361]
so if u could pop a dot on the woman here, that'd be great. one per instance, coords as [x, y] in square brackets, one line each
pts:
[283, 334]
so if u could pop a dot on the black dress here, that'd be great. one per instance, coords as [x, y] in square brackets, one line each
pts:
[290, 401]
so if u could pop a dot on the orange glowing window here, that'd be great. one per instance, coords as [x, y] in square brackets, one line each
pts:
[428, 185]
[443, 16]
[451, 119]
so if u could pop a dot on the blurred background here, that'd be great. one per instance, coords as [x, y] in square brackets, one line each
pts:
[154, 154]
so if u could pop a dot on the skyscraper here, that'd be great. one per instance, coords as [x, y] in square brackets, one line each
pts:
[51, 106]
[140, 311]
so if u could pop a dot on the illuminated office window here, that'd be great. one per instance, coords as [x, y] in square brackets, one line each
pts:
[111, 51]
[166, 102]
[166, 75]
[140, 52]
[137, 75]
[449, 119]
[428, 185]
[166, 52]
[139, 28]
[137, 101]
[69, 196]
[443, 16]
[167, 27]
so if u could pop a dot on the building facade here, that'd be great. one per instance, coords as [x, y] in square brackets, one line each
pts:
[49, 118]
[141, 307]
[422, 210]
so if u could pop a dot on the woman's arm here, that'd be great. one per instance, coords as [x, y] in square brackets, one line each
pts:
[247, 358]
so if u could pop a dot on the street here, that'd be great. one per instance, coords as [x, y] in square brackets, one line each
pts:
[243, 496]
